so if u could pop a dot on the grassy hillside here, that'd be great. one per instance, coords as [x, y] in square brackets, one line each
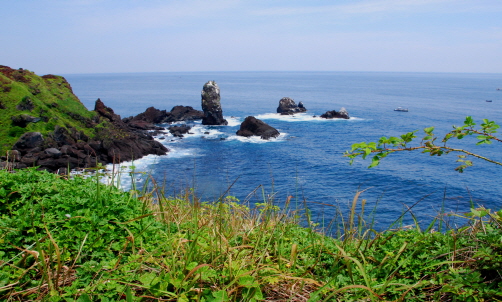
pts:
[47, 100]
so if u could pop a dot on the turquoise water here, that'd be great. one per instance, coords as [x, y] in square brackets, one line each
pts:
[306, 160]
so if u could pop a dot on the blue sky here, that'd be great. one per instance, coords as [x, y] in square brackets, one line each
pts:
[96, 36]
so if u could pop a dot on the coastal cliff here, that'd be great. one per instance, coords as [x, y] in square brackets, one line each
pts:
[43, 123]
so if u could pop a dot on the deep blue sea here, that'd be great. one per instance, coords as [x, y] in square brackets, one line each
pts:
[307, 161]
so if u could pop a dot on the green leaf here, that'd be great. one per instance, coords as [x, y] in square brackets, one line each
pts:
[248, 281]
[221, 296]
[374, 163]
[147, 279]
[367, 151]
[129, 296]
[479, 212]
[84, 298]
[469, 121]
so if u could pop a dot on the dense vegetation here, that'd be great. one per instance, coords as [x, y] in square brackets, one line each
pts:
[79, 240]
[47, 100]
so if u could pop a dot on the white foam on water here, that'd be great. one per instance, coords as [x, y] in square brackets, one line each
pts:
[180, 153]
[125, 174]
[258, 140]
[167, 125]
[197, 131]
[300, 117]
[233, 121]
[208, 132]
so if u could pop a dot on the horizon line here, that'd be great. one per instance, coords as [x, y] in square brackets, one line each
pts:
[275, 71]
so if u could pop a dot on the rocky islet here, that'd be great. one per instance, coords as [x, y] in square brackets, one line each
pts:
[252, 126]
[288, 106]
[342, 113]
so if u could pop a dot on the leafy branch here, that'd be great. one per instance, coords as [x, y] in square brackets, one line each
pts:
[430, 144]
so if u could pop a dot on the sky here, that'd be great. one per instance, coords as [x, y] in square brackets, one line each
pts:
[109, 36]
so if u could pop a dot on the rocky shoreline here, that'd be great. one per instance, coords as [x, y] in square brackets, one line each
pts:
[83, 139]
[65, 149]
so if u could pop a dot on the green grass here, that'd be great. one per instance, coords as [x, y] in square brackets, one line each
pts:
[51, 97]
[78, 240]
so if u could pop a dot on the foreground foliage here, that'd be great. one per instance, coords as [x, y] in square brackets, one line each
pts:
[485, 134]
[79, 240]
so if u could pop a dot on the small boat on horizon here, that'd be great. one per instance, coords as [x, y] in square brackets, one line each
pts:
[489, 101]
[401, 109]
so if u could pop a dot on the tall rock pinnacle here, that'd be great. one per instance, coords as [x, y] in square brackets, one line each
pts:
[213, 115]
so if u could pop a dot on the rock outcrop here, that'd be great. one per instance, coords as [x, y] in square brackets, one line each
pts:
[121, 142]
[115, 141]
[252, 126]
[23, 120]
[178, 131]
[213, 114]
[47, 126]
[287, 106]
[152, 116]
[184, 114]
[334, 114]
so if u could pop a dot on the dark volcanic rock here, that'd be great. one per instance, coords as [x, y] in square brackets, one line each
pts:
[142, 125]
[123, 143]
[23, 120]
[287, 106]
[62, 137]
[334, 114]
[255, 127]
[213, 114]
[53, 152]
[152, 116]
[107, 113]
[115, 141]
[178, 131]
[28, 141]
[184, 113]
[25, 105]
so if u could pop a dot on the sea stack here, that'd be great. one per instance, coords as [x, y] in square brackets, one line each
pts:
[255, 127]
[287, 106]
[213, 115]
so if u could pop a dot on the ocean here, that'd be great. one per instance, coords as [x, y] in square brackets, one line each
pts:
[307, 161]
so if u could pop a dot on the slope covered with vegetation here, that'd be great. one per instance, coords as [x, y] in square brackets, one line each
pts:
[47, 101]
[47, 126]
